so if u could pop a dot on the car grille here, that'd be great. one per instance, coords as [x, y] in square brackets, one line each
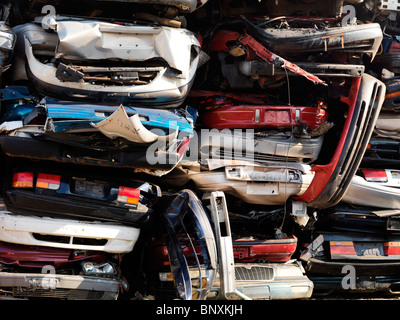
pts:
[257, 156]
[255, 273]
[118, 76]
[58, 294]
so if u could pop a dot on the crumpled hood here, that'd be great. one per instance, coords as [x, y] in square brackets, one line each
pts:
[95, 40]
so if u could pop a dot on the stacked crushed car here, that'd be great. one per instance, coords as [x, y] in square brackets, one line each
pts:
[198, 149]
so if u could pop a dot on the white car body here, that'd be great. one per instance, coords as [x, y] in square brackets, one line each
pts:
[24, 230]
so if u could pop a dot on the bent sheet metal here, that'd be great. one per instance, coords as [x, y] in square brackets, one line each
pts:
[187, 212]
[119, 124]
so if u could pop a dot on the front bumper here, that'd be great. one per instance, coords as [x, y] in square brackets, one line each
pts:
[60, 286]
[70, 234]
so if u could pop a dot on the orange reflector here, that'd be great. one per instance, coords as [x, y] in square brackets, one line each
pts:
[128, 195]
[48, 181]
[166, 276]
[23, 180]
[237, 51]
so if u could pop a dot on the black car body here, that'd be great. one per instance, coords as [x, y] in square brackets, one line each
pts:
[83, 195]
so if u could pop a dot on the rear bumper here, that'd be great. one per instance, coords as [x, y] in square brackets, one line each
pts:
[250, 191]
[45, 150]
[25, 202]
[316, 267]
[325, 285]
[60, 286]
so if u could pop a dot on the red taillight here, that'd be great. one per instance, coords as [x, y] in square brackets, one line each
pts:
[128, 195]
[392, 248]
[375, 175]
[342, 248]
[48, 181]
[23, 180]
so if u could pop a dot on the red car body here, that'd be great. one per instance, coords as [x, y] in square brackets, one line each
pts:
[36, 257]
[244, 250]
[263, 116]
[364, 100]
[256, 250]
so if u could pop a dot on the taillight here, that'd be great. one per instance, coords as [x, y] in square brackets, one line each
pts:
[392, 248]
[375, 175]
[342, 248]
[48, 181]
[23, 180]
[128, 195]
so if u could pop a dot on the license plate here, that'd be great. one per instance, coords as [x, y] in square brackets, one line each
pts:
[372, 249]
[89, 189]
[268, 188]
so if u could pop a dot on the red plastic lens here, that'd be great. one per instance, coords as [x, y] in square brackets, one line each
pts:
[23, 180]
[48, 181]
[375, 175]
[128, 195]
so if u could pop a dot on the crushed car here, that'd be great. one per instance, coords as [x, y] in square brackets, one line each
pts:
[65, 192]
[156, 69]
[373, 259]
[93, 134]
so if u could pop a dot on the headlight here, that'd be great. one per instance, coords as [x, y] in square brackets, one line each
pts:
[95, 269]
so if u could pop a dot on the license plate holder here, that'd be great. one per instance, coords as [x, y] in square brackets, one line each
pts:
[89, 189]
[369, 249]
[262, 188]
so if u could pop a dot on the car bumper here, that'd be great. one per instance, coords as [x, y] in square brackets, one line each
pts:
[333, 179]
[46, 150]
[364, 193]
[69, 234]
[24, 202]
[60, 286]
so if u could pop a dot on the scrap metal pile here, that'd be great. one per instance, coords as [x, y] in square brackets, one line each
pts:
[199, 150]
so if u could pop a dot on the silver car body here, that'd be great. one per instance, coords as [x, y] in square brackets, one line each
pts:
[375, 194]
[168, 57]
[257, 184]
[273, 281]
[270, 281]
[247, 145]
[387, 125]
